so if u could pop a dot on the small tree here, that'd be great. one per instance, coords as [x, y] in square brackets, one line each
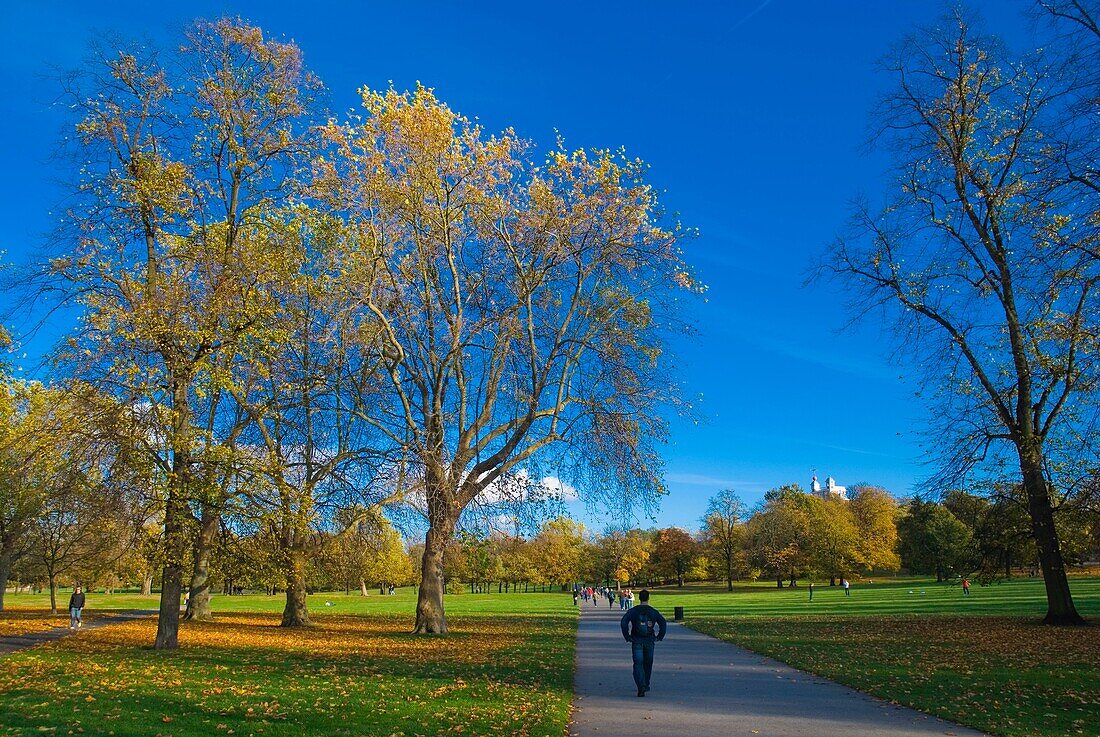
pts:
[724, 534]
[673, 554]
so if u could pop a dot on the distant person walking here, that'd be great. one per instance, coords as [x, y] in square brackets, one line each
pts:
[642, 627]
[576, 595]
[811, 591]
[966, 587]
[76, 605]
[846, 586]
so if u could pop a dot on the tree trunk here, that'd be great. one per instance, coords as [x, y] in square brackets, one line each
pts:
[430, 619]
[198, 600]
[362, 588]
[147, 583]
[296, 612]
[171, 586]
[176, 516]
[779, 583]
[729, 583]
[6, 554]
[53, 594]
[1060, 608]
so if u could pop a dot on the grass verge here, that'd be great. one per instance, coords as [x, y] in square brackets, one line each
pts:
[348, 675]
[974, 661]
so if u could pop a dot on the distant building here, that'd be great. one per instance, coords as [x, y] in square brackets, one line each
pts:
[830, 490]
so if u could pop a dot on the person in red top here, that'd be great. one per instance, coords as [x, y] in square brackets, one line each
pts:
[966, 586]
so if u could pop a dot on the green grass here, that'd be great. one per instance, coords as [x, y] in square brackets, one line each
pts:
[507, 666]
[357, 672]
[983, 660]
[402, 603]
[1020, 597]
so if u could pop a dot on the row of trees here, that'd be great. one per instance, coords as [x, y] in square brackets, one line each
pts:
[78, 504]
[790, 535]
[289, 322]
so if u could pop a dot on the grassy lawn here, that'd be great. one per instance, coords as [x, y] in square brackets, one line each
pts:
[358, 671]
[984, 661]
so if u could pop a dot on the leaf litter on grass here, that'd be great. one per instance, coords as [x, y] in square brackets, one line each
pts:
[1004, 675]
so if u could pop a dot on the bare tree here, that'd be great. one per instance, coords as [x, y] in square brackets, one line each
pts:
[977, 257]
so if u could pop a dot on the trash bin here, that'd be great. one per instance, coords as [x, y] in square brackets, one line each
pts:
[678, 613]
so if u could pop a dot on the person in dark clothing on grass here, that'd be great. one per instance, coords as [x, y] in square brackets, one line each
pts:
[642, 627]
[76, 604]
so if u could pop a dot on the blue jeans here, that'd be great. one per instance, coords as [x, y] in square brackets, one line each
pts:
[74, 616]
[642, 651]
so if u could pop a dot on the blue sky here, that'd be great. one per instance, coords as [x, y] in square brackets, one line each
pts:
[753, 116]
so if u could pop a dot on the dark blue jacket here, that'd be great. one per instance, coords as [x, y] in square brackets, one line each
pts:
[643, 622]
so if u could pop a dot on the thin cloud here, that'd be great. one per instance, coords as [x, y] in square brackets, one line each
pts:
[748, 17]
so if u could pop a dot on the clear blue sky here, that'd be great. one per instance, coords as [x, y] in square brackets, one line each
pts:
[752, 114]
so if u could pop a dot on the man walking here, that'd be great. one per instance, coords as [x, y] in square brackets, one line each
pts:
[76, 605]
[642, 627]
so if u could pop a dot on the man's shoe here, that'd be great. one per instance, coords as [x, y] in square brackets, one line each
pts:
[641, 692]
[647, 688]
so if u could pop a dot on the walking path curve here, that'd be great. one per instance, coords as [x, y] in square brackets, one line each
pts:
[703, 687]
[15, 643]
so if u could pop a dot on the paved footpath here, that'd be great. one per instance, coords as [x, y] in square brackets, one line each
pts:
[15, 643]
[703, 687]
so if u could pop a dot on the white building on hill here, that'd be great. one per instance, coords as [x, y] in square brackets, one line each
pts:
[830, 490]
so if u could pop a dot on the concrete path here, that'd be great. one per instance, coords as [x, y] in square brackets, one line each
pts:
[15, 643]
[703, 687]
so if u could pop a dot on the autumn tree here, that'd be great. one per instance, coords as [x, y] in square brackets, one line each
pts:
[673, 554]
[985, 265]
[723, 532]
[556, 551]
[308, 396]
[364, 549]
[517, 563]
[84, 520]
[777, 536]
[618, 556]
[524, 307]
[168, 245]
[25, 440]
[832, 538]
[875, 513]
